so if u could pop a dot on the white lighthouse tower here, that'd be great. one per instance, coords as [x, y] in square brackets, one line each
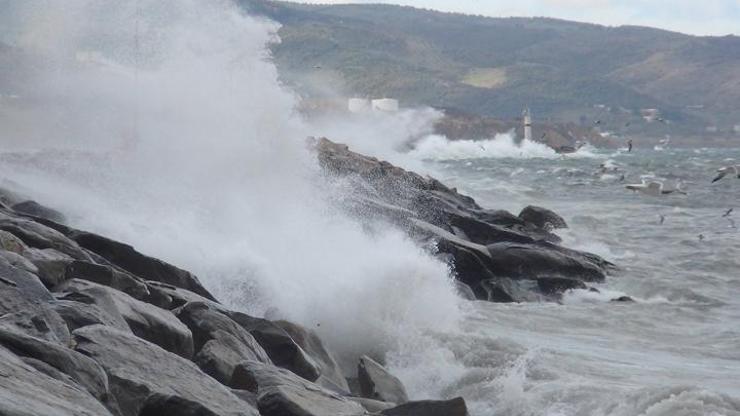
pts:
[527, 120]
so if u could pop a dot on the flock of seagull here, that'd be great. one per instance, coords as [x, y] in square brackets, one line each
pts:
[657, 188]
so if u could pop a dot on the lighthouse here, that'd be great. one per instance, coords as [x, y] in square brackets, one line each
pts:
[527, 121]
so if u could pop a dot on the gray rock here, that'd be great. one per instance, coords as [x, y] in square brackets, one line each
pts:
[542, 217]
[220, 342]
[171, 297]
[35, 209]
[25, 391]
[146, 321]
[453, 407]
[108, 276]
[25, 305]
[282, 393]
[378, 384]
[531, 261]
[51, 264]
[372, 406]
[331, 375]
[280, 347]
[138, 369]
[18, 261]
[78, 367]
[10, 242]
[146, 267]
[81, 314]
[37, 235]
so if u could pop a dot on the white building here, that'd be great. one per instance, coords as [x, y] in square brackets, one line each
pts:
[385, 104]
[358, 105]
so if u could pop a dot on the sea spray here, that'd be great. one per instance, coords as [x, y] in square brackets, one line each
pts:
[161, 124]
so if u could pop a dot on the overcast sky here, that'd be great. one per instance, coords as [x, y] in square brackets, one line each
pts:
[699, 17]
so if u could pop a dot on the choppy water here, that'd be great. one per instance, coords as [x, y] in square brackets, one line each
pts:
[676, 351]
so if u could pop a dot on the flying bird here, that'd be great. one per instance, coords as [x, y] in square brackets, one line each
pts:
[662, 219]
[727, 214]
[724, 170]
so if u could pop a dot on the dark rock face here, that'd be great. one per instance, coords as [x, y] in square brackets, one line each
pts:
[542, 217]
[453, 407]
[378, 384]
[129, 259]
[484, 247]
[331, 375]
[220, 342]
[282, 393]
[153, 324]
[280, 347]
[137, 369]
[35, 209]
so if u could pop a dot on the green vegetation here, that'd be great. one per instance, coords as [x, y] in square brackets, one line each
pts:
[496, 66]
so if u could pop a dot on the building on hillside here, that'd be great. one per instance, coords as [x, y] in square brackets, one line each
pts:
[358, 105]
[650, 114]
[389, 105]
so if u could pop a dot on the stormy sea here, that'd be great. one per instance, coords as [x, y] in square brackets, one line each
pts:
[164, 124]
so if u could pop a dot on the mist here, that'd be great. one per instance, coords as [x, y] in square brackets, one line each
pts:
[163, 124]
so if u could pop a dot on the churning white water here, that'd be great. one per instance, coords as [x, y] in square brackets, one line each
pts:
[162, 123]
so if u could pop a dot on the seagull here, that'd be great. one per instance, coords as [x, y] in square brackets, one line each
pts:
[727, 214]
[662, 219]
[701, 237]
[597, 121]
[724, 170]
[654, 188]
[732, 223]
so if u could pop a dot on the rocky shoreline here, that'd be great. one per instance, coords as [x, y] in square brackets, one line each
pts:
[91, 326]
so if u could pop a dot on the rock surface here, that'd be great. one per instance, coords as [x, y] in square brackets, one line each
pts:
[484, 247]
[453, 407]
[378, 384]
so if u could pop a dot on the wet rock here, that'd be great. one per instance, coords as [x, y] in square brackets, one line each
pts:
[331, 375]
[35, 209]
[81, 314]
[146, 321]
[372, 406]
[51, 264]
[171, 297]
[25, 391]
[378, 384]
[557, 285]
[18, 261]
[282, 393]
[518, 260]
[623, 299]
[138, 369]
[36, 235]
[25, 306]
[108, 276]
[542, 217]
[148, 268]
[11, 243]
[220, 342]
[279, 345]
[453, 407]
[161, 404]
[78, 367]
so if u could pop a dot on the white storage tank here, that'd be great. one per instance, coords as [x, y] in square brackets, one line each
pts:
[358, 105]
[385, 104]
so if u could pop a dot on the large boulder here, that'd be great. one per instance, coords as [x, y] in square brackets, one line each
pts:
[331, 375]
[220, 342]
[453, 407]
[280, 347]
[137, 370]
[35, 209]
[148, 268]
[282, 393]
[83, 370]
[25, 391]
[50, 263]
[146, 321]
[518, 260]
[378, 384]
[542, 217]
[25, 305]
[37, 235]
[110, 276]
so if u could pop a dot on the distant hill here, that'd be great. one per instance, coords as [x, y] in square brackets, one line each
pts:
[565, 71]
